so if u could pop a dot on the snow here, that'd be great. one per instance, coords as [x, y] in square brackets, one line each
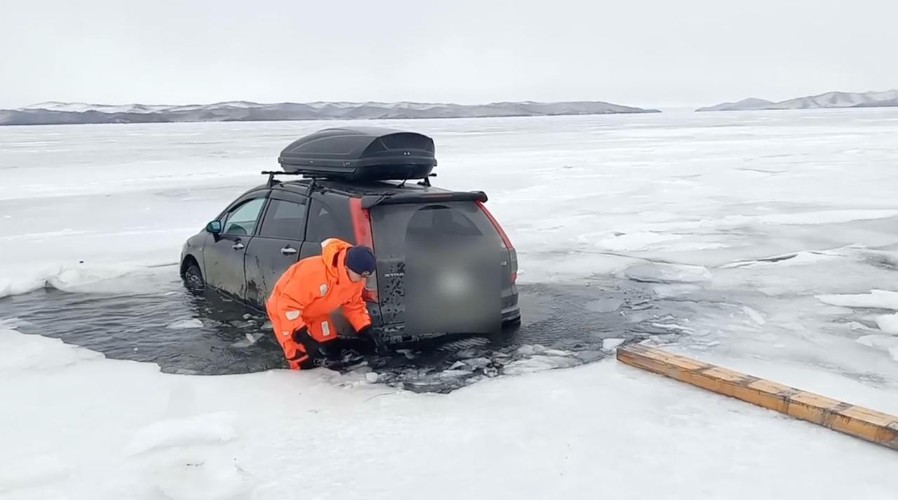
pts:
[775, 231]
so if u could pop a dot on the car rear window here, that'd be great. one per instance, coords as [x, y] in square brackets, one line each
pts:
[397, 227]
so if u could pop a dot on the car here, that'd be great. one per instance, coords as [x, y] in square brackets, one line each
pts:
[444, 263]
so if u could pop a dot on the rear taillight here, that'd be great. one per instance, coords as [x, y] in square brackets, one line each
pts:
[361, 226]
[505, 241]
[361, 223]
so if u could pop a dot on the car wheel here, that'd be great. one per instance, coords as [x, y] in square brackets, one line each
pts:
[193, 277]
[512, 325]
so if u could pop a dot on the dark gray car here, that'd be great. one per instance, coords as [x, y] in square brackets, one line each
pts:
[444, 264]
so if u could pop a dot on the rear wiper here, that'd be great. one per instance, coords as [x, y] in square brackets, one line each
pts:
[367, 201]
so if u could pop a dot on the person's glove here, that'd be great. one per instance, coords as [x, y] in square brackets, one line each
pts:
[368, 337]
[301, 335]
[313, 348]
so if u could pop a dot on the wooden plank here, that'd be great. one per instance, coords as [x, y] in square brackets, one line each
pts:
[864, 423]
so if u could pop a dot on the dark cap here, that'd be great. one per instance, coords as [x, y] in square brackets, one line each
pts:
[360, 260]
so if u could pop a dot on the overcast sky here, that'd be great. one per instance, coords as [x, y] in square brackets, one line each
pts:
[657, 53]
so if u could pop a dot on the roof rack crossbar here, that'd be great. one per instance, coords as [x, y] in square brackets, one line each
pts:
[272, 173]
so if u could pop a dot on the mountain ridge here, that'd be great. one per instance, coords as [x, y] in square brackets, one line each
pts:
[834, 99]
[60, 113]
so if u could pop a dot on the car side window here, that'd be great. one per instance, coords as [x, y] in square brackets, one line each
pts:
[242, 220]
[284, 220]
[323, 224]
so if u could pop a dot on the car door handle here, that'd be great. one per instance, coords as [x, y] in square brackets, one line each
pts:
[288, 251]
[238, 246]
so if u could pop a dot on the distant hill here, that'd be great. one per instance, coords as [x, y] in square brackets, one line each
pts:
[750, 103]
[828, 100]
[57, 113]
[887, 103]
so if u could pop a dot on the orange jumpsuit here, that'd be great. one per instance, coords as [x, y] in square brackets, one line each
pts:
[308, 292]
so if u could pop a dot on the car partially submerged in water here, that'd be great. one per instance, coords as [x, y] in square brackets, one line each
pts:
[444, 264]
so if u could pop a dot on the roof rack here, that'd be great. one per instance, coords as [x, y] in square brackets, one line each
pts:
[272, 173]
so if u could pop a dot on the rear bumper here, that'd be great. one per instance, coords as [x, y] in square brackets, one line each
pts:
[396, 333]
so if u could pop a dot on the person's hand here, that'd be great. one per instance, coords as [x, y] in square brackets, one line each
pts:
[300, 335]
[368, 337]
[312, 347]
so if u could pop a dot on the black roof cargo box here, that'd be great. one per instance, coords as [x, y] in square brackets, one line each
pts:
[361, 153]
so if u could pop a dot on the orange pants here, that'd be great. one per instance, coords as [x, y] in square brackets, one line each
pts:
[286, 323]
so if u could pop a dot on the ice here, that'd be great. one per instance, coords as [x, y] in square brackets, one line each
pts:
[754, 315]
[214, 478]
[250, 340]
[637, 241]
[258, 436]
[211, 428]
[879, 299]
[23, 353]
[888, 324]
[44, 468]
[539, 362]
[605, 305]
[190, 323]
[821, 217]
[668, 273]
[668, 326]
[773, 234]
[884, 342]
[69, 278]
[794, 259]
[888, 343]
[611, 344]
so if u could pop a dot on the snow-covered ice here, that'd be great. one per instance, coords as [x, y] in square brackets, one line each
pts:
[130, 431]
[776, 229]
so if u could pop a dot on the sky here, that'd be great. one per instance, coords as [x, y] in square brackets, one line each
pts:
[647, 53]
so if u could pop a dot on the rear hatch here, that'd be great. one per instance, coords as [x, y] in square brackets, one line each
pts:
[442, 268]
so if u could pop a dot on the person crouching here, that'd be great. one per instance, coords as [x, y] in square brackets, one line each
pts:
[308, 292]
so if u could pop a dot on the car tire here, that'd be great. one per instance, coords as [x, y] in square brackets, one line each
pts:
[193, 277]
[511, 326]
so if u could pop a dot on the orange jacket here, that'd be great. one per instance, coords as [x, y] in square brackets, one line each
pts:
[314, 287]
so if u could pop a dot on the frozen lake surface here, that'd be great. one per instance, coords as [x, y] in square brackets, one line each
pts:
[766, 241]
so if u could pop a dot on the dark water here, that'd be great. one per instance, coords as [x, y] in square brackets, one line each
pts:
[139, 327]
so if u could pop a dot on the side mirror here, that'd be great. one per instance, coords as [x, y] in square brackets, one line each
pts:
[214, 227]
